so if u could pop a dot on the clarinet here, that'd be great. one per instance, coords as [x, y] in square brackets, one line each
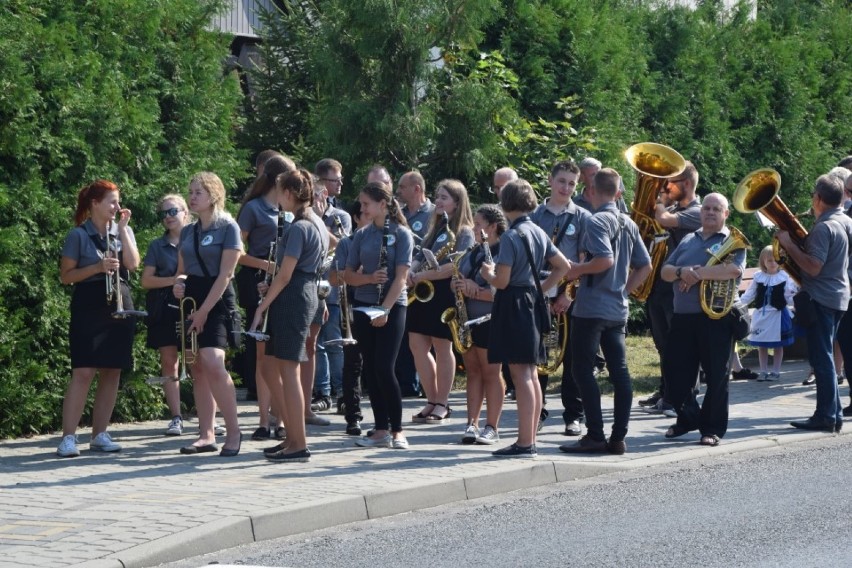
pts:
[383, 256]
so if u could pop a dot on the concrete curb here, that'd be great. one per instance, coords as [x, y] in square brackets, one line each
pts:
[233, 531]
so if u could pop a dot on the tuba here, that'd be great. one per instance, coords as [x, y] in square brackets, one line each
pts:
[654, 165]
[758, 191]
[719, 296]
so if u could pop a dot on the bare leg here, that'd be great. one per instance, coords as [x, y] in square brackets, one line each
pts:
[295, 403]
[424, 363]
[105, 395]
[307, 370]
[204, 402]
[529, 397]
[494, 388]
[169, 368]
[264, 397]
[475, 386]
[75, 398]
[223, 391]
[446, 371]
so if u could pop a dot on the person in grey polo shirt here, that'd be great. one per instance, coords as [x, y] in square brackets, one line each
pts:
[616, 263]
[824, 264]
[694, 338]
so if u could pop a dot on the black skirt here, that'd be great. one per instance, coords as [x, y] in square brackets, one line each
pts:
[480, 334]
[162, 332]
[97, 339]
[425, 317]
[218, 324]
[514, 336]
[290, 317]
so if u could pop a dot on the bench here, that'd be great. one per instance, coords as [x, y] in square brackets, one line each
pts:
[748, 276]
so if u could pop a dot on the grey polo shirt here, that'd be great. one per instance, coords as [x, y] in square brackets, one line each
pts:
[260, 221]
[464, 239]
[688, 221]
[552, 224]
[581, 201]
[609, 234]
[512, 252]
[364, 254]
[469, 268]
[330, 216]
[418, 220]
[693, 251]
[80, 245]
[828, 242]
[163, 256]
[306, 240]
[223, 234]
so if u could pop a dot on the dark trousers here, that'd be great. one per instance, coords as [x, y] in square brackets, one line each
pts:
[571, 400]
[844, 340]
[352, 365]
[660, 309]
[379, 347]
[697, 340]
[406, 373]
[821, 335]
[588, 335]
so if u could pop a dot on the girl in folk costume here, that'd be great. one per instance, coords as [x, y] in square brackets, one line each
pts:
[772, 291]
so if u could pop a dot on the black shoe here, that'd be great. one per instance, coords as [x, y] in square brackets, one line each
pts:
[811, 424]
[573, 428]
[585, 445]
[274, 449]
[199, 449]
[261, 433]
[230, 453]
[741, 375]
[341, 407]
[847, 411]
[811, 379]
[616, 447]
[516, 451]
[651, 400]
[353, 428]
[299, 456]
[320, 404]
[838, 426]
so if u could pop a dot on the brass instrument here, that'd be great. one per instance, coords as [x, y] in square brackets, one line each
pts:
[345, 321]
[268, 277]
[424, 290]
[719, 296]
[324, 286]
[654, 165]
[556, 341]
[758, 191]
[113, 286]
[186, 358]
[457, 316]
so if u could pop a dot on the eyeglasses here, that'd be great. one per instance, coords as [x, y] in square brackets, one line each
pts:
[333, 180]
[679, 180]
[168, 213]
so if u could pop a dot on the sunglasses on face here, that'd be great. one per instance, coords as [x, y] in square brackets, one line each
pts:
[168, 213]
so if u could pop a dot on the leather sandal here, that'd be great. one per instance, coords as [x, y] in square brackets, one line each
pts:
[421, 418]
[434, 418]
[711, 440]
[675, 431]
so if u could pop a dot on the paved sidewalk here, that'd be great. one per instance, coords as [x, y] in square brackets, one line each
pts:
[149, 504]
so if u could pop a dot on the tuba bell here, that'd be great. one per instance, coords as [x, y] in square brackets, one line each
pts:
[719, 296]
[758, 191]
[654, 165]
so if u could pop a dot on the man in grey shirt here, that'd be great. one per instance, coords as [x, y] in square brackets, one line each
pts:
[417, 208]
[823, 265]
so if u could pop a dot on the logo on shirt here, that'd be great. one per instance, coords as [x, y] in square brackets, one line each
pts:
[288, 216]
[442, 238]
[391, 240]
[417, 225]
[206, 240]
[715, 248]
[571, 229]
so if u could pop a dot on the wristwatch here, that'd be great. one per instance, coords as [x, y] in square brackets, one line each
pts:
[678, 271]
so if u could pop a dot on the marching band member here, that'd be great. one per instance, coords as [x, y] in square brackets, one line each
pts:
[100, 344]
[616, 264]
[565, 222]
[208, 254]
[524, 249]
[483, 378]
[259, 221]
[377, 265]
[425, 329]
[694, 337]
[292, 301]
[158, 276]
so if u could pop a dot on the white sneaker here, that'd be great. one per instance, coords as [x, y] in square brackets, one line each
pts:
[68, 447]
[470, 434]
[103, 443]
[399, 444]
[219, 430]
[384, 442]
[175, 427]
[488, 437]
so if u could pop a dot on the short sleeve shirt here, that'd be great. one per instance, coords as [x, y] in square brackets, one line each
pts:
[364, 254]
[223, 234]
[163, 256]
[609, 234]
[418, 220]
[260, 221]
[307, 241]
[512, 252]
[469, 268]
[828, 242]
[86, 245]
[692, 251]
[554, 223]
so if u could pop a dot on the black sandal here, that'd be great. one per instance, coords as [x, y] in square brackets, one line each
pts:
[676, 431]
[421, 418]
[432, 418]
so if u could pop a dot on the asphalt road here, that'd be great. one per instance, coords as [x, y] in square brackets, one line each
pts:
[789, 506]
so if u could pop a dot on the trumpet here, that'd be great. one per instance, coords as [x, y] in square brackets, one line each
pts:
[113, 285]
[186, 358]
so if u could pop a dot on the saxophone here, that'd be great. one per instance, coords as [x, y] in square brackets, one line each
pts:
[456, 317]
[424, 290]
